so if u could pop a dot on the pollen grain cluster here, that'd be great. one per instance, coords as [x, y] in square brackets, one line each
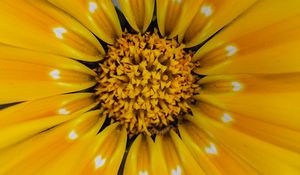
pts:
[146, 83]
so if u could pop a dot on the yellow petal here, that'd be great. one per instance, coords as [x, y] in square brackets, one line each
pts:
[174, 156]
[211, 16]
[270, 98]
[263, 40]
[70, 160]
[46, 107]
[19, 129]
[37, 25]
[214, 158]
[27, 75]
[47, 148]
[138, 13]
[106, 152]
[174, 16]
[17, 54]
[274, 134]
[97, 15]
[264, 157]
[141, 157]
[18, 132]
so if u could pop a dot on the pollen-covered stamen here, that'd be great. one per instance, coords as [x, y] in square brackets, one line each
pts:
[146, 83]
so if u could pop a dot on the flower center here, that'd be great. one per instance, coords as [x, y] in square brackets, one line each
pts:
[146, 83]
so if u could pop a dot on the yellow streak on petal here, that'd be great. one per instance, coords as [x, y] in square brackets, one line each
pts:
[138, 13]
[97, 15]
[46, 28]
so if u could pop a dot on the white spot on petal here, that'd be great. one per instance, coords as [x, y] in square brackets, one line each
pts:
[176, 171]
[63, 111]
[99, 162]
[206, 10]
[73, 135]
[211, 149]
[178, 1]
[143, 173]
[236, 86]
[59, 31]
[93, 7]
[226, 118]
[231, 50]
[55, 74]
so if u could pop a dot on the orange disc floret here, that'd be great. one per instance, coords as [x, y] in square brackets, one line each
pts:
[146, 82]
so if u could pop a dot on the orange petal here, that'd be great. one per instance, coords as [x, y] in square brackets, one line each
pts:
[97, 15]
[263, 40]
[46, 149]
[141, 157]
[173, 16]
[214, 158]
[266, 158]
[138, 13]
[268, 132]
[27, 75]
[46, 28]
[70, 160]
[57, 105]
[20, 129]
[106, 152]
[210, 17]
[270, 98]
[174, 157]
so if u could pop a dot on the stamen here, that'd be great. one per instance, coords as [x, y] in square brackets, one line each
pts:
[146, 83]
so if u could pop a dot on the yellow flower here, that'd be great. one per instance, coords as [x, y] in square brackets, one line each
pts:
[165, 87]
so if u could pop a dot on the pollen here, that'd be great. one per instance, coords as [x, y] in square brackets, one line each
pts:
[146, 83]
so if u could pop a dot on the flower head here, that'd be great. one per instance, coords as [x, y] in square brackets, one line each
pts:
[149, 87]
